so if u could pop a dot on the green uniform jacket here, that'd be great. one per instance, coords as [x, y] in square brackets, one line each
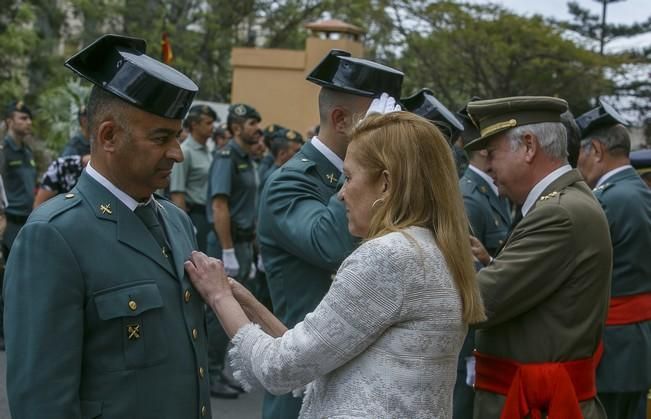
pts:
[97, 321]
[488, 214]
[626, 200]
[303, 234]
[547, 292]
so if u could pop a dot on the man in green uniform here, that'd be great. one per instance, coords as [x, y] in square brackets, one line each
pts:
[282, 145]
[189, 184]
[18, 171]
[546, 293]
[624, 373]
[79, 144]
[303, 229]
[233, 183]
[101, 320]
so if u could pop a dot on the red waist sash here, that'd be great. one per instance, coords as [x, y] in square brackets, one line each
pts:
[629, 309]
[554, 387]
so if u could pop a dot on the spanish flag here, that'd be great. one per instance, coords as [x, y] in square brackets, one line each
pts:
[166, 49]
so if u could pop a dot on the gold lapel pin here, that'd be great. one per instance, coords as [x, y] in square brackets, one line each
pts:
[106, 209]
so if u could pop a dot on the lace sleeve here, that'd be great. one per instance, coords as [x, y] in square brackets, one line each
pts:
[364, 300]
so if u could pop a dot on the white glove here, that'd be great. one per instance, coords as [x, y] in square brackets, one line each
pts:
[252, 272]
[260, 264]
[231, 265]
[383, 104]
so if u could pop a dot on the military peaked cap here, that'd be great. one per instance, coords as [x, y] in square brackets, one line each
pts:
[242, 110]
[470, 131]
[119, 65]
[423, 103]
[641, 159]
[356, 76]
[204, 110]
[17, 106]
[601, 116]
[495, 116]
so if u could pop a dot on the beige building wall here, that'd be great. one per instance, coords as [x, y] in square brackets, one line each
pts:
[273, 81]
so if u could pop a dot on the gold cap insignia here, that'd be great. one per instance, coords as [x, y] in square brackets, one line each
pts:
[291, 135]
[240, 110]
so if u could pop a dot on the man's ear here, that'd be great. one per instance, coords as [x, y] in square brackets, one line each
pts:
[338, 119]
[530, 143]
[107, 136]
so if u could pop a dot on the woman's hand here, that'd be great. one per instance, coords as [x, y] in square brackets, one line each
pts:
[242, 294]
[208, 277]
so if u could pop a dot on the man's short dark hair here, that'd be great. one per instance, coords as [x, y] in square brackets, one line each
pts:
[100, 105]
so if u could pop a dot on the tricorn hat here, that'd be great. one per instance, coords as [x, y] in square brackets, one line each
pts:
[601, 116]
[423, 103]
[119, 65]
[356, 76]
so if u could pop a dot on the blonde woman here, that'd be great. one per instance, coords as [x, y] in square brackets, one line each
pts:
[384, 341]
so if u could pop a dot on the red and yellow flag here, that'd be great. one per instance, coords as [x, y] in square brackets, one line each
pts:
[166, 49]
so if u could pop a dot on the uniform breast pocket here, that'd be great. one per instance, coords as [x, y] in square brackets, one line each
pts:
[136, 309]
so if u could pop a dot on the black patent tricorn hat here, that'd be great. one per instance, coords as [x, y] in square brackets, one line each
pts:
[423, 103]
[601, 116]
[119, 65]
[356, 76]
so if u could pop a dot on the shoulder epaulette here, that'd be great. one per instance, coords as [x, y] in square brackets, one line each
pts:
[56, 206]
[300, 164]
[602, 188]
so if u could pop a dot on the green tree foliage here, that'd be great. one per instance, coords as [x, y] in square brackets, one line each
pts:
[456, 49]
[16, 42]
[487, 51]
[632, 78]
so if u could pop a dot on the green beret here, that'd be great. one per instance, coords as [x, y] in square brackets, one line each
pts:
[495, 116]
[242, 110]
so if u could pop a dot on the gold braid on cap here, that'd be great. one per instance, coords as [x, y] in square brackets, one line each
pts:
[498, 126]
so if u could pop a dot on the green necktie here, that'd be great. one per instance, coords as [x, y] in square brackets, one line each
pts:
[147, 213]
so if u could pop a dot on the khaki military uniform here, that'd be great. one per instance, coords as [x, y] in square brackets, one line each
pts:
[547, 292]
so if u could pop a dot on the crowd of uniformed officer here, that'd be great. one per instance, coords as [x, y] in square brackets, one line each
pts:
[275, 221]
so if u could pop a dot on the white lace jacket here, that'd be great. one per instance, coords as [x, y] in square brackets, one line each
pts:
[383, 343]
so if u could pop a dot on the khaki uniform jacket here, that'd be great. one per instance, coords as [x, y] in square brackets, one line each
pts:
[98, 323]
[547, 292]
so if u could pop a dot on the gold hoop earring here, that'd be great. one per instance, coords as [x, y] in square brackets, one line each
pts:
[376, 202]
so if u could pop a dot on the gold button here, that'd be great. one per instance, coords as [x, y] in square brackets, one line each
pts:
[201, 372]
[186, 296]
[195, 334]
[132, 305]
[203, 410]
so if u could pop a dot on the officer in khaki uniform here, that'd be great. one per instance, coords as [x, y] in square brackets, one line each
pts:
[303, 229]
[624, 373]
[546, 293]
[101, 320]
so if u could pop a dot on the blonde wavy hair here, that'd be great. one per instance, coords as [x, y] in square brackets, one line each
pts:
[424, 192]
